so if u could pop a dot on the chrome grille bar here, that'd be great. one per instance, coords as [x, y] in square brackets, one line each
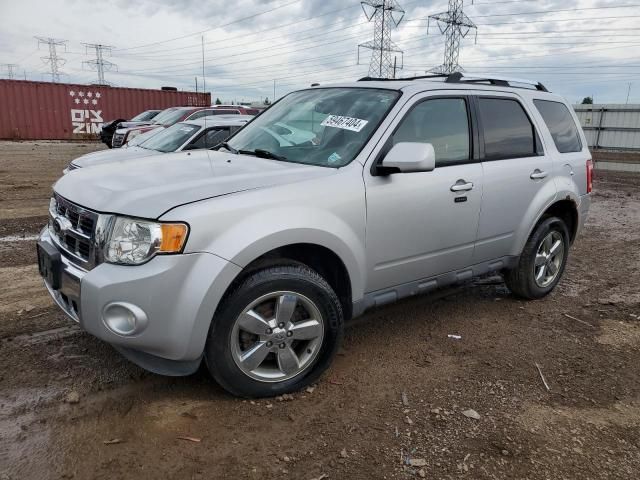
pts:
[72, 228]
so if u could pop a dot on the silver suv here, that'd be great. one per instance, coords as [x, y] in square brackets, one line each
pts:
[336, 199]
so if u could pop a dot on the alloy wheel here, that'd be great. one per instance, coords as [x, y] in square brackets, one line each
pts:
[277, 336]
[549, 259]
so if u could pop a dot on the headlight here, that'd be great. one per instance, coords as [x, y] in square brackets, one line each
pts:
[134, 241]
[132, 134]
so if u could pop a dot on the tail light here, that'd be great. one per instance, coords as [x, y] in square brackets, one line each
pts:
[589, 175]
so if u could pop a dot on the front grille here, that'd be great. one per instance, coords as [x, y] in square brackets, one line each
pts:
[73, 229]
[118, 139]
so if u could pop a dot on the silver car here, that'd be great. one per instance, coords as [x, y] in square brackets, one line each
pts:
[254, 256]
[205, 132]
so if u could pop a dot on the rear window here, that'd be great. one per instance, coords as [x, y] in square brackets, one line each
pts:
[508, 132]
[561, 125]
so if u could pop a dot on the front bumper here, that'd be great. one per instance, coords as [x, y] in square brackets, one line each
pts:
[177, 293]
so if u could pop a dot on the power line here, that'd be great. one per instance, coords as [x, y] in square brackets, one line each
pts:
[99, 64]
[233, 22]
[560, 20]
[544, 12]
[455, 25]
[53, 60]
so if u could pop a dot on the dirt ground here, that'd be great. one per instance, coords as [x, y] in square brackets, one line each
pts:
[393, 404]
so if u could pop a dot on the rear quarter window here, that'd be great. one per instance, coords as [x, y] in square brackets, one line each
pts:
[560, 123]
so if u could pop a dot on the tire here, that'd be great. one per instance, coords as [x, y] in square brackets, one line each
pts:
[534, 276]
[287, 298]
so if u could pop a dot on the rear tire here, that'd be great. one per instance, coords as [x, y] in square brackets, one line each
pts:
[275, 333]
[542, 261]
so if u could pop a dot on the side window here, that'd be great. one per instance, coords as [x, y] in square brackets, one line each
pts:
[508, 132]
[210, 138]
[442, 122]
[199, 114]
[561, 125]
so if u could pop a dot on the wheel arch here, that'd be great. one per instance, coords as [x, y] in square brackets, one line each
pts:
[565, 208]
[324, 260]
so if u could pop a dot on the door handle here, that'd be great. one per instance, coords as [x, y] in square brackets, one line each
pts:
[461, 186]
[538, 174]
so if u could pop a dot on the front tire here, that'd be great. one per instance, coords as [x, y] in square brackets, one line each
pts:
[276, 332]
[542, 261]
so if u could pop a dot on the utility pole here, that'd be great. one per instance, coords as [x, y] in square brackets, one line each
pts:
[99, 64]
[11, 70]
[204, 79]
[385, 14]
[53, 60]
[455, 25]
[628, 92]
[274, 90]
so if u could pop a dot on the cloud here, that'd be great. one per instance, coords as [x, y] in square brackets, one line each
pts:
[576, 53]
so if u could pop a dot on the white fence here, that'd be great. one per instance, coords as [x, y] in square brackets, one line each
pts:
[610, 126]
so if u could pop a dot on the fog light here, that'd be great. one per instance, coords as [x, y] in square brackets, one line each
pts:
[124, 318]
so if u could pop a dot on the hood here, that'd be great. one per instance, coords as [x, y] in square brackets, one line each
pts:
[116, 155]
[132, 124]
[151, 186]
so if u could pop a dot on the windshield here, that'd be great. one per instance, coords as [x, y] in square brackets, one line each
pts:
[326, 127]
[170, 139]
[148, 115]
[164, 114]
[143, 137]
[170, 118]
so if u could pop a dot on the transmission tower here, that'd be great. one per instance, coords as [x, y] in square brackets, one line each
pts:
[99, 64]
[455, 25]
[53, 60]
[385, 14]
[11, 68]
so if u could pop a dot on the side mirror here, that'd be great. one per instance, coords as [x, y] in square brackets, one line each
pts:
[407, 157]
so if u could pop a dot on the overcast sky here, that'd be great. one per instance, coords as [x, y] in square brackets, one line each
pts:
[576, 49]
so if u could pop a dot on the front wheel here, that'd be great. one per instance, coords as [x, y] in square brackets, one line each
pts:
[275, 333]
[542, 260]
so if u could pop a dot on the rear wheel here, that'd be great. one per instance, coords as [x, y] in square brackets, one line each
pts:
[275, 333]
[542, 260]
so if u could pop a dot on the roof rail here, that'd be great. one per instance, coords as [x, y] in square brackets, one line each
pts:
[403, 79]
[459, 77]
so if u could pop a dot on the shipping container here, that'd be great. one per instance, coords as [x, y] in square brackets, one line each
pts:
[61, 111]
[610, 126]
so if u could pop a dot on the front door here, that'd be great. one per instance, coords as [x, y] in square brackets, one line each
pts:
[423, 224]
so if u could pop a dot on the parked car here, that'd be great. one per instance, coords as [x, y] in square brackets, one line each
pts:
[240, 109]
[205, 132]
[165, 119]
[109, 128]
[254, 256]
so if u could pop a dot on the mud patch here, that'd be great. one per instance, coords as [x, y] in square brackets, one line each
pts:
[620, 334]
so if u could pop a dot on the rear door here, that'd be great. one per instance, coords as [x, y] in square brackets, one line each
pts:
[422, 224]
[515, 170]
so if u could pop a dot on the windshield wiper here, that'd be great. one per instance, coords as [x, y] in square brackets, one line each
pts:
[227, 146]
[261, 153]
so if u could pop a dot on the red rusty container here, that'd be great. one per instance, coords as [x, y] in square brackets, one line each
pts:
[62, 111]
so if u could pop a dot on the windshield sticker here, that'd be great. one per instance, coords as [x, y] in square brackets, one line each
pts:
[346, 123]
[334, 157]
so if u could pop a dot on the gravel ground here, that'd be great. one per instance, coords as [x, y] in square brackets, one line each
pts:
[402, 400]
